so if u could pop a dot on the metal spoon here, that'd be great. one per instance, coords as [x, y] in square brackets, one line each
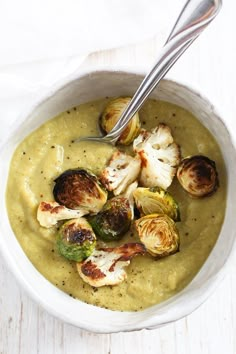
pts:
[193, 19]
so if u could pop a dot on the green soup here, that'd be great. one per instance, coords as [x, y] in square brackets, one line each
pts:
[51, 149]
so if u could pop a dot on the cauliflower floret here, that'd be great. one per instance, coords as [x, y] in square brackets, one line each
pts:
[105, 266]
[160, 156]
[49, 213]
[121, 172]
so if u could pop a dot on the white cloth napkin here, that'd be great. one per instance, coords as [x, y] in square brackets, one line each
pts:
[42, 41]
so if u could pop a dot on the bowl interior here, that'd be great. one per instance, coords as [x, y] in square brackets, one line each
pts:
[90, 86]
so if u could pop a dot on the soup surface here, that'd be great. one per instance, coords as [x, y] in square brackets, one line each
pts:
[50, 150]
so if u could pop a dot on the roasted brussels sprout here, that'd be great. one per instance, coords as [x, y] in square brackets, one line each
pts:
[78, 189]
[76, 239]
[114, 220]
[156, 200]
[112, 113]
[198, 176]
[159, 234]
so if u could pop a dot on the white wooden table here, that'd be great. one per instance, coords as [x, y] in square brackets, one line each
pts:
[27, 329]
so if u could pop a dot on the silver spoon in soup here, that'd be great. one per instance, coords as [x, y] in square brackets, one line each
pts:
[193, 19]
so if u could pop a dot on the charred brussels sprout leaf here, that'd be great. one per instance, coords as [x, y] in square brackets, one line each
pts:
[156, 200]
[159, 234]
[114, 220]
[78, 189]
[112, 113]
[76, 240]
[198, 176]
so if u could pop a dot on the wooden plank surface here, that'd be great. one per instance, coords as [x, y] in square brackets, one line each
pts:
[26, 328]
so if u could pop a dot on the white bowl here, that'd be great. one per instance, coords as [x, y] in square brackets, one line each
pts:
[73, 91]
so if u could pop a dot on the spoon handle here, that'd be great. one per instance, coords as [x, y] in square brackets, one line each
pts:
[194, 17]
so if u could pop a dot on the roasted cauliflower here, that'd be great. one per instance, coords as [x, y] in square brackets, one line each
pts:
[122, 170]
[106, 266]
[49, 213]
[159, 155]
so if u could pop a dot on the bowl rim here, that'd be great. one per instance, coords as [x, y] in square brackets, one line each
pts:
[121, 327]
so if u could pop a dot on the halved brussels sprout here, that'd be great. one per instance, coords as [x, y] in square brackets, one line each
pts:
[76, 239]
[198, 176]
[156, 200]
[159, 234]
[78, 189]
[114, 220]
[112, 113]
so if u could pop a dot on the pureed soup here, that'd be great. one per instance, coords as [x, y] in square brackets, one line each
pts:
[51, 149]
